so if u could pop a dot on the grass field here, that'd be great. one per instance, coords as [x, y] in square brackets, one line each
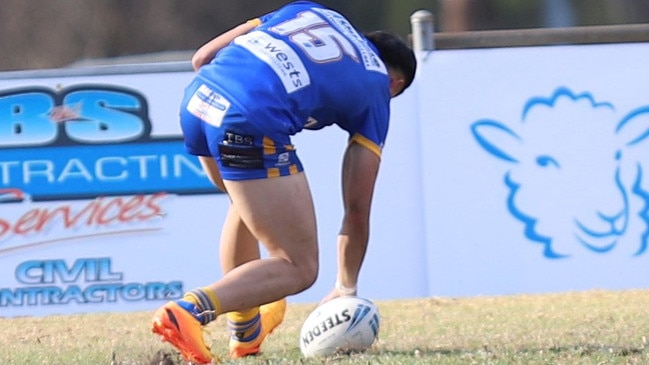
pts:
[597, 327]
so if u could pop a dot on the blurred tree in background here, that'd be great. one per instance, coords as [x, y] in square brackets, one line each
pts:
[55, 33]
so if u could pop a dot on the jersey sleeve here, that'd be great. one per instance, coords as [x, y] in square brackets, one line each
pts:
[372, 133]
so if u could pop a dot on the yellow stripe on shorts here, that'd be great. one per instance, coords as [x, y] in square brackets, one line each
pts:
[269, 146]
[273, 172]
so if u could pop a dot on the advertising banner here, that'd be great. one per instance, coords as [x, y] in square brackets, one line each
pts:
[93, 181]
[534, 167]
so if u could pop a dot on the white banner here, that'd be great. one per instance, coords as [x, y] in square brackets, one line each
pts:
[534, 165]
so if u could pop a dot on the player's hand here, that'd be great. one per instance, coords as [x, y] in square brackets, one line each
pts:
[335, 293]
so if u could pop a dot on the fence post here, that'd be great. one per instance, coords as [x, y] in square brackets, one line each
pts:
[421, 27]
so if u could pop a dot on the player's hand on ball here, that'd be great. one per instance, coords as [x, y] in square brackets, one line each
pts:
[339, 291]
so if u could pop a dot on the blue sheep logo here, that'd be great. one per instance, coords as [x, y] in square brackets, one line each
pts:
[576, 173]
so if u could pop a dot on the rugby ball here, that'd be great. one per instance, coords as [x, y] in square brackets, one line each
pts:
[340, 326]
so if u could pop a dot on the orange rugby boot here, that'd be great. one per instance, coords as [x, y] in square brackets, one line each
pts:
[176, 323]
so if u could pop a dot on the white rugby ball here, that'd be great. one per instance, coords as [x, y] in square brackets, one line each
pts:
[341, 325]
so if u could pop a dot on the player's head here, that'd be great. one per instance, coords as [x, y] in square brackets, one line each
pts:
[397, 56]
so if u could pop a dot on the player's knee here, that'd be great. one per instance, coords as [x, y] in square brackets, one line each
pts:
[311, 273]
[307, 274]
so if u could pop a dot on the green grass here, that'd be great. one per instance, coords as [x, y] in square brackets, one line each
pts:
[596, 327]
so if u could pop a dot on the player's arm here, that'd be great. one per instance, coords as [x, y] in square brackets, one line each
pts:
[206, 53]
[359, 172]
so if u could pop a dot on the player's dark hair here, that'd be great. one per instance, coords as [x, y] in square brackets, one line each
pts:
[395, 54]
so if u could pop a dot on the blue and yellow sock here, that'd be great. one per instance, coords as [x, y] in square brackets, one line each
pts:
[245, 326]
[206, 302]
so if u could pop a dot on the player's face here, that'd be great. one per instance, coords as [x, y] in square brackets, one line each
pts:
[397, 82]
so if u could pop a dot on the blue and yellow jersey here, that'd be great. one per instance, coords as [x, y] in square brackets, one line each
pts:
[305, 66]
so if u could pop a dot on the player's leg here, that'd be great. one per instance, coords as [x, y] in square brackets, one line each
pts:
[212, 170]
[237, 247]
[290, 268]
[248, 327]
[237, 244]
[266, 186]
[279, 213]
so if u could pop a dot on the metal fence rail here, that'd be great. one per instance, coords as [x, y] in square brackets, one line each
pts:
[422, 30]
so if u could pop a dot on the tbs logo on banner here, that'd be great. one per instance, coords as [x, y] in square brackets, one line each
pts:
[81, 161]
[87, 141]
